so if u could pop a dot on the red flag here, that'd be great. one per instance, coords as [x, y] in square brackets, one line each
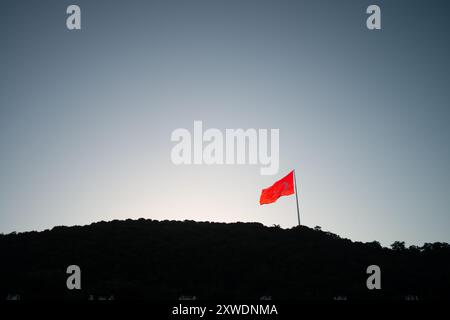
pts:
[283, 187]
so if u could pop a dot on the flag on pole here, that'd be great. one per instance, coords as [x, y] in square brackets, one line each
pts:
[283, 187]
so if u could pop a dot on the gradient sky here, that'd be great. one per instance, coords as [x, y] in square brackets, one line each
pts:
[86, 116]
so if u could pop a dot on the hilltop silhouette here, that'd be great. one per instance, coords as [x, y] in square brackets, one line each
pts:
[147, 259]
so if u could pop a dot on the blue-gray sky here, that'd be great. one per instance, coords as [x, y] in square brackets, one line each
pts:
[86, 116]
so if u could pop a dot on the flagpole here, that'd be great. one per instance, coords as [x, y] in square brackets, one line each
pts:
[296, 197]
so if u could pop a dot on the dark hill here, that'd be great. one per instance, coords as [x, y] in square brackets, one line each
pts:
[164, 260]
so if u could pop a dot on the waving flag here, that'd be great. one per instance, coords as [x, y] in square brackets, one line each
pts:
[283, 187]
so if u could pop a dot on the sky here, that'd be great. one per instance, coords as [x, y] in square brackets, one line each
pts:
[86, 116]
